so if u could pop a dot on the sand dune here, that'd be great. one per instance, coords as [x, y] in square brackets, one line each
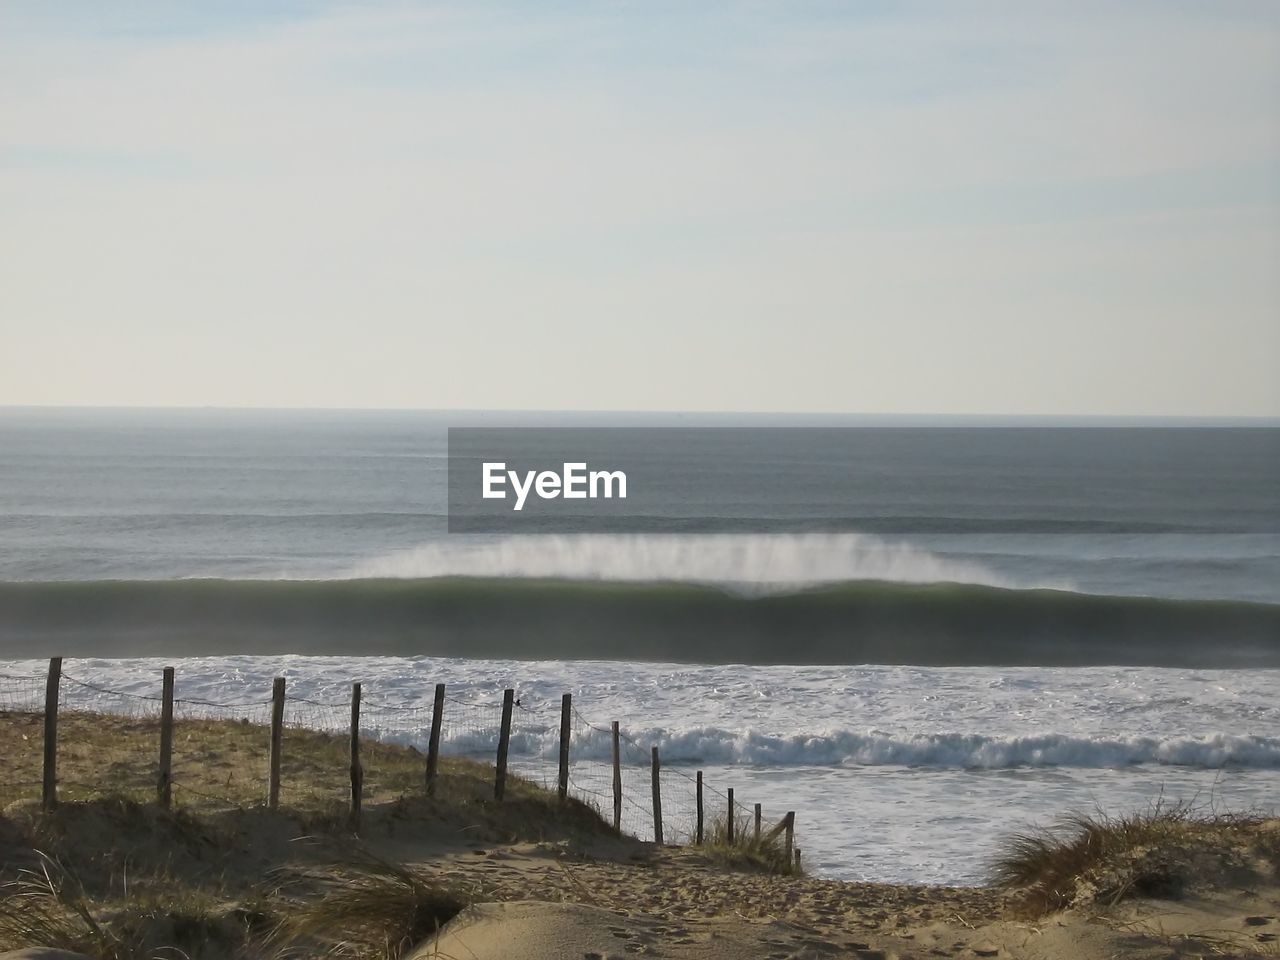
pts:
[548, 879]
[552, 901]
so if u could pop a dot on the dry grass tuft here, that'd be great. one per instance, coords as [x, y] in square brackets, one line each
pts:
[47, 907]
[366, 909]
[767, 855]
[1157, 853]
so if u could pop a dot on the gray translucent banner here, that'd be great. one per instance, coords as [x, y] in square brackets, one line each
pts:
[870, 479]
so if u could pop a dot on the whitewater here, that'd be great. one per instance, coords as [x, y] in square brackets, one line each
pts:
[1132, 574]
[897, 774]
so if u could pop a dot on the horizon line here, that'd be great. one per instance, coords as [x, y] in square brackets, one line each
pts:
[1250, 419]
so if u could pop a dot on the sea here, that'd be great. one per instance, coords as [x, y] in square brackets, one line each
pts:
[1004, 621]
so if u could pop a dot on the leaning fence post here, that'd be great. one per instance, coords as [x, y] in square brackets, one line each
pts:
[504, 742]
[566, 725]
[357, 770]
[617, 779]
[729, 822]
[164, 787]
[657, 799]
[790, 833]
[759, 811]
[277, 741]
[433, 744]
[49, 792]
[699, 833]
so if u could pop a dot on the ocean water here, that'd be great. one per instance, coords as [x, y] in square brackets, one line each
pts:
[916, 681]
[904, 774]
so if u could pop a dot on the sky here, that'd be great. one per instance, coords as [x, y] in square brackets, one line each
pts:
[962, 207]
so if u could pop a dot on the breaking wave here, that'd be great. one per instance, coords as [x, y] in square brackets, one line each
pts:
[864, 621]
[712, 745]
[760, 561]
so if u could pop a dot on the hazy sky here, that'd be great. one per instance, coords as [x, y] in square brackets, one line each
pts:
[945, 207]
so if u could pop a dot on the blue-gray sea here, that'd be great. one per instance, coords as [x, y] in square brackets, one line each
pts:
[1000, 621]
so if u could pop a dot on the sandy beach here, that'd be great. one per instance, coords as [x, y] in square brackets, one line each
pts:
[533, 877]
[672, 905]
[609, 481]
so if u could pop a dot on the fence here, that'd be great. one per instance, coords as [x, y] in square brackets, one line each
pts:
[270, 745]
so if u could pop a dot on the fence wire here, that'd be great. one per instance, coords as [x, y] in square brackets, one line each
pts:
[221, 751]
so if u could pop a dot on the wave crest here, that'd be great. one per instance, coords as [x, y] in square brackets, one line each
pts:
[970, 751]
[759, 561]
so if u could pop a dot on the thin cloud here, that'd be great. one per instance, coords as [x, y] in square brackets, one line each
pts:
[767, 206]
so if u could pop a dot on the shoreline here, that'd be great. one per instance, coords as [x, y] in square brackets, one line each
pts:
[531, 869]
[909, 755]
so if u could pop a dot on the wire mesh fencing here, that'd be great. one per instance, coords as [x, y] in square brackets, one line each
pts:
[250, 746]
[22, 705]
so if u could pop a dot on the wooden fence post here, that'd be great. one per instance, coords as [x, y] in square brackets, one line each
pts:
[797, 859]
[357, 770]
[617, 779]
[566, 726]
[729, 822]
[49, 791]
[164, 788]
[759, 811]
[790, 833]
[504, 743]
[277, 742]
[699, 833]
[433, 744]
[657, 799]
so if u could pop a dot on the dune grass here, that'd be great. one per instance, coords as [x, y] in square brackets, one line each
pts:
[44, 906]
[1159, 853]
[744, 851]
[365, 909]
[110, 873]
[222, 765]
[216, 763]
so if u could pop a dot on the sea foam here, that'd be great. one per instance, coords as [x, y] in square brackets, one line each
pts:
[746, 561]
